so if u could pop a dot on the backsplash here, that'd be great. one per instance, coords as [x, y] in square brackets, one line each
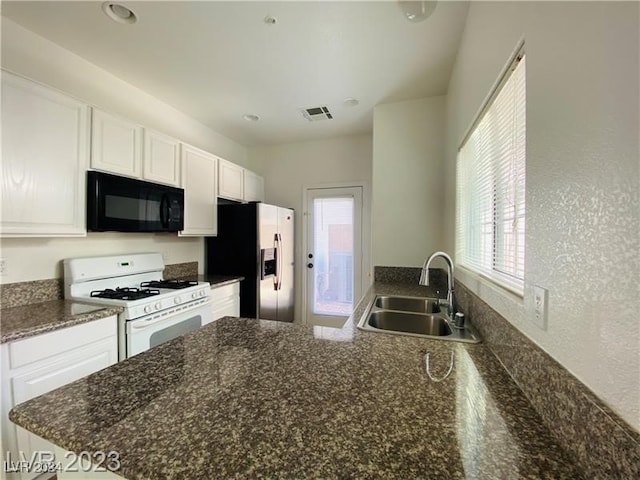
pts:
[604, 444]
[180, 270]
[25, 293]
[437, 276]
[36, 291]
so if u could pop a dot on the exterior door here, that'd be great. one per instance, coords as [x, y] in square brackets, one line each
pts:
[334, 254]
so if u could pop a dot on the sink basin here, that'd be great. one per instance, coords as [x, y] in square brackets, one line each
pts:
[431, 325]
[407, 304]
[414, 316]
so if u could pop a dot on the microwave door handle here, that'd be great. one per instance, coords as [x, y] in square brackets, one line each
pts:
[164, 218]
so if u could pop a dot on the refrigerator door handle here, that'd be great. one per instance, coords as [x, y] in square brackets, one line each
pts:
[279, 261]
[276, 280]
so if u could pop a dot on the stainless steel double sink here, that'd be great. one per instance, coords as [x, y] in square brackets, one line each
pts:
[415, 316]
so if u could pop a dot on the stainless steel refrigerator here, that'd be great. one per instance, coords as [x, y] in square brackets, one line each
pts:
[255, 240]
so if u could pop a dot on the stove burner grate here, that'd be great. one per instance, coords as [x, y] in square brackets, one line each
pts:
[173, 284]
[125, 293]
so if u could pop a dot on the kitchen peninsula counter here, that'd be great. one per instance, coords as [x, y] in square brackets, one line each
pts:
[244, 398]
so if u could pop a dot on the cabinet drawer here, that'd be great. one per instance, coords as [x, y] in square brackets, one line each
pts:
[65, 369]
[227, 308]
[29, 350]
[221, 293]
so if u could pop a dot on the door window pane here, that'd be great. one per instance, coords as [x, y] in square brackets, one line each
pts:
[333, 261]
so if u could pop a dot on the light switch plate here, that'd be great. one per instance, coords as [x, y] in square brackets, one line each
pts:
[540, 301]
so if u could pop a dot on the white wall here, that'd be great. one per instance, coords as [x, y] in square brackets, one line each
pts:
[288, 168]
[408, 168]
[34, 57]
[583, 207]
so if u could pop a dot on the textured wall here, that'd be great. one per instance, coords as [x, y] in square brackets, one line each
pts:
[583, 179]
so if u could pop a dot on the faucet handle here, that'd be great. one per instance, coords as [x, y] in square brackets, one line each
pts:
[442, 303]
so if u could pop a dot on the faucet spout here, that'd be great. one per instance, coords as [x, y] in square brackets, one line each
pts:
[424, 279]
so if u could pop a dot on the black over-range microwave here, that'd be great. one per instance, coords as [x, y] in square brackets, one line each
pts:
[121, 204]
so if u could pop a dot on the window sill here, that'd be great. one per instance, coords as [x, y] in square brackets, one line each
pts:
[470, 277]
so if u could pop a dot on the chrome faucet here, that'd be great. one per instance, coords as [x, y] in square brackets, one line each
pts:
[424, 280]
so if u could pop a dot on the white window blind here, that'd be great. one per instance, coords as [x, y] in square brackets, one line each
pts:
[490, 217]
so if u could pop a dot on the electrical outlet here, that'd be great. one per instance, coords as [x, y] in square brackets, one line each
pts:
[3, 267]
[540, 301]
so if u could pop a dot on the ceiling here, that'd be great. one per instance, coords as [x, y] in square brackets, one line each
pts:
[217, 61]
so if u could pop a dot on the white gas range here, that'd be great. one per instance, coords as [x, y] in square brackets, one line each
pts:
[155, 310]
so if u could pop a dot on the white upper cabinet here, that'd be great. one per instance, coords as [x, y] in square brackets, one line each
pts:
[200, 182]
[253, 187]
[116, 145]
[240, 184]
[161, 158]
[230, 180]
[45, 154]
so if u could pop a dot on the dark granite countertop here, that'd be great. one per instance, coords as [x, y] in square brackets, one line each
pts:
[244, 398]
[36, 318]
[219, 280]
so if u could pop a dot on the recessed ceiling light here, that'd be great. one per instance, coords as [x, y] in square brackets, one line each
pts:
[119, 13]
[417, 11]
[250, 117]
[350, 102]
[269, 20]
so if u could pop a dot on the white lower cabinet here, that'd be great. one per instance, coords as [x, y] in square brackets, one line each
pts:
[40, 364]
[226, 301]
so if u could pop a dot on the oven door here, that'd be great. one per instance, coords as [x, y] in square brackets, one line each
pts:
[147, 332]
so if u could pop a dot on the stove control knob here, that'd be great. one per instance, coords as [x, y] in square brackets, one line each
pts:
[147, 309]
[202, 293]
[158, 306]
[194, 295]
[177, 300]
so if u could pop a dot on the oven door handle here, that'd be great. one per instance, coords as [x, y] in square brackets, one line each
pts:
[140, 324]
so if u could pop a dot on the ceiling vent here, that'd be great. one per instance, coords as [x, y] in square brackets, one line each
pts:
[315, 114]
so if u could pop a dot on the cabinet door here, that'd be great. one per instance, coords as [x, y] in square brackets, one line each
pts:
[116, 145]
[199, 180]
[57, 358]
[45, 153]
[230, 180]
[64, 369]
[253, 187]
[225, 301]
[161, 158]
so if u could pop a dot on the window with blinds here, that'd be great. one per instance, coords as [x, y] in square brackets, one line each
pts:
[490, 188]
